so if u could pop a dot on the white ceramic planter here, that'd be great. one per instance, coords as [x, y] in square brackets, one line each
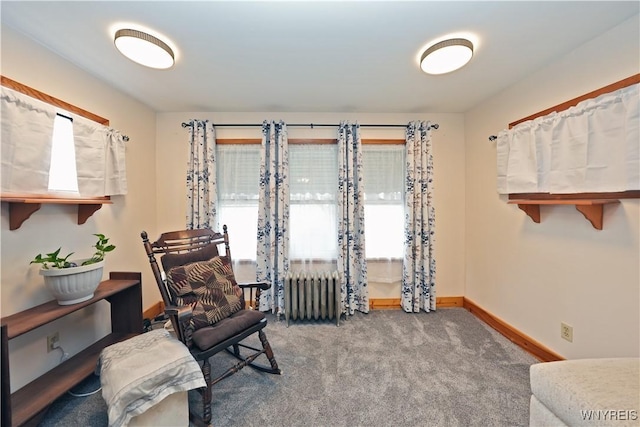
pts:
[75, 284]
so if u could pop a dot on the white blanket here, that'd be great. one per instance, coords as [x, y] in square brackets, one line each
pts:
[138, 373]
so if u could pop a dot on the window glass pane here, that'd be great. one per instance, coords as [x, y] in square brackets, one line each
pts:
[242, 223]
[313, 172]
[383, 169]
[313, 231]
[62, 171]
[384, 231]
[238, 173]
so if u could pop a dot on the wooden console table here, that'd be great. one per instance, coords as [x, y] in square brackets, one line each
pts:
[26, 405]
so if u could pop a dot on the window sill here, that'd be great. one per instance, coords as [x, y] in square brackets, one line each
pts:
[22, 206]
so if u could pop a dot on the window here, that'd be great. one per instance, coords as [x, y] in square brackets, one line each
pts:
[313, 181]
[62, 171]
[383, 168]
[238, 174]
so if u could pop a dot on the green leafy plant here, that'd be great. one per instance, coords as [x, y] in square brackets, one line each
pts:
[102, 247]
[54, 260]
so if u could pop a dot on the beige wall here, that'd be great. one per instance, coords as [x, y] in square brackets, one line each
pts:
[535, 276]
[448, 147]
[54, 226]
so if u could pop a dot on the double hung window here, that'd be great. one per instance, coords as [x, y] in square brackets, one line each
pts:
[238, 174]
[383, 168]
[313, 172]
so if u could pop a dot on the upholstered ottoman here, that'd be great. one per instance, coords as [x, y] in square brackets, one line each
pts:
[585, 392]
[145, 380]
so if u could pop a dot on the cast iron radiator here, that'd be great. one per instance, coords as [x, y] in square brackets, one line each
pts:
[312, 296]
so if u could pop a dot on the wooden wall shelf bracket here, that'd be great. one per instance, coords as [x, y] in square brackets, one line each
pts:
[592, 209]
[20, 212]
[533, 211]
[21, 207]
[85, 211]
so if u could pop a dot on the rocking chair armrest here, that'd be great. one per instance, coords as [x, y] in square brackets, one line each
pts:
[183, 312]
[260, 285]
[180, 318]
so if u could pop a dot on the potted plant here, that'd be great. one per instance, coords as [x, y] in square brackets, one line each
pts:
[72, 282]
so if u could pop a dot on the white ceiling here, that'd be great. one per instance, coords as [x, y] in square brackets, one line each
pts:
[315, 56]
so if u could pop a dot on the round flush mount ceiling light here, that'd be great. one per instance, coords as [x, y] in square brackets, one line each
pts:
[446, 56]
[144, 49]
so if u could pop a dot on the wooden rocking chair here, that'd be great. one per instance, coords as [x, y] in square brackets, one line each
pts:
[206, 306]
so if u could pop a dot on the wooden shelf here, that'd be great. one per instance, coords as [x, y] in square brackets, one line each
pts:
[21, 207]
[26, 405]
[31, 398]
[28, 320]
[592, 209]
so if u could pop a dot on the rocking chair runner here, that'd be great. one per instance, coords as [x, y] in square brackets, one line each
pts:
[206, 305]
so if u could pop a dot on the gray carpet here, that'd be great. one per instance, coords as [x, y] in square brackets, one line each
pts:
[385, 368]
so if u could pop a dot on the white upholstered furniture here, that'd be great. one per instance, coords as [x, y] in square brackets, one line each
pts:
[585, 392]
[172, 411]
[145, 380]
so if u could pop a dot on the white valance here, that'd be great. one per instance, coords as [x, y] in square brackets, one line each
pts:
[592, 147]
[27, 126]
[100, 159]
[27, 130]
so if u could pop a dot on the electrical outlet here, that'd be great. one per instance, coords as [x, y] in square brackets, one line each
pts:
[566, 332]
[52, 340]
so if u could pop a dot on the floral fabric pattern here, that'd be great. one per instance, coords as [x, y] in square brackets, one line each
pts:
[352, 263]
[202, 195]
[272, 256]
[419, 264]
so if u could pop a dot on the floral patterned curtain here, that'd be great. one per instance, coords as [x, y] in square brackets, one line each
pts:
[419, 265]
[202, 196]
[272, 255]
[352, 263]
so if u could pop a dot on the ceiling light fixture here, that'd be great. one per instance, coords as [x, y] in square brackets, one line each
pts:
[144, 49]
[446, 56]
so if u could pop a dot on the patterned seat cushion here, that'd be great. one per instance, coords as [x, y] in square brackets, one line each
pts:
[209, 287]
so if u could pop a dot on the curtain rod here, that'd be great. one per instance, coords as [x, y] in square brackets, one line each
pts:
[311, 125]
[124, 137]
